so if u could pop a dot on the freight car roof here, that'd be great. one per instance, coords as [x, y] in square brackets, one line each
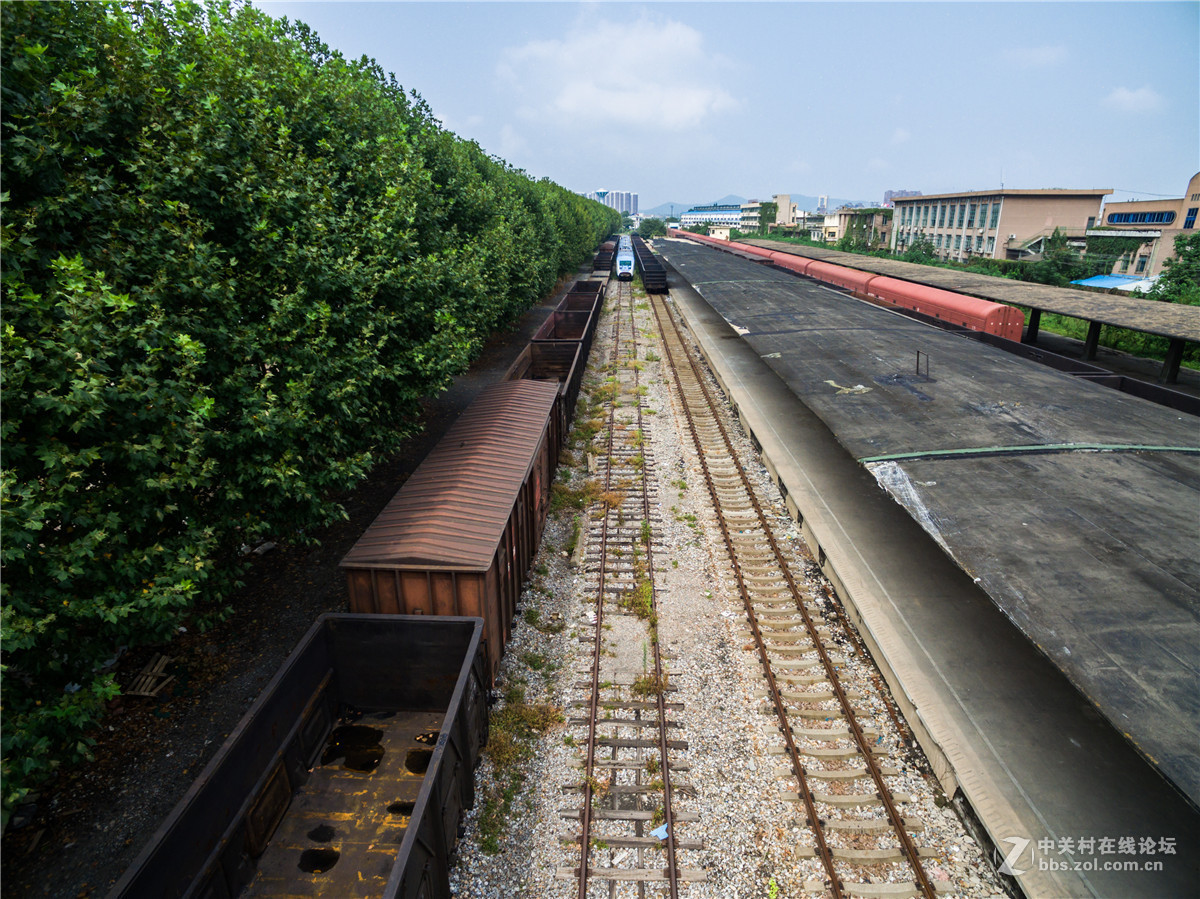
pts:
[453, 510]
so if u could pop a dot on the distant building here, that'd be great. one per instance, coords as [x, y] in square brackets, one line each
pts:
[785, 209]
[829, 227]
[890, 196]
[871, 227]
[802, 222]
[1000, 224]
[750, 215]
[620, 200]
[1158, 222]
[713, 214]
[823, 204]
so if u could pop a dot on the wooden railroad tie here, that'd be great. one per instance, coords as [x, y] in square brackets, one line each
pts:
[153, 677]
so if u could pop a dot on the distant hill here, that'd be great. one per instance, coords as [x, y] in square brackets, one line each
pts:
[662, 210]
[804, 202]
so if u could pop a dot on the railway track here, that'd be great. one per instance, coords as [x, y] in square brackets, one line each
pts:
[631, 825]
[830, 745]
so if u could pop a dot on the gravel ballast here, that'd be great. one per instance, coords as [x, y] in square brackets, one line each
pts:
[756, 842]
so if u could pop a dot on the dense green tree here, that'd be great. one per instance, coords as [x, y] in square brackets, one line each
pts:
[920, 250]
[650, 228]
[1180, 278]
[233, 263]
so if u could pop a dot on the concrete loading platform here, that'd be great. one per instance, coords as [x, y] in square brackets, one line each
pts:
[1045, 591]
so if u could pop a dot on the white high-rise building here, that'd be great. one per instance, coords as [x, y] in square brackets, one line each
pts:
[620, 200]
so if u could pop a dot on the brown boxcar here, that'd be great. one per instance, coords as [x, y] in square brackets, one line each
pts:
[458, 537]
[560, 361]
[575, 318]
[592, 288]
[564, 324]
[288, 807]
[588, 301]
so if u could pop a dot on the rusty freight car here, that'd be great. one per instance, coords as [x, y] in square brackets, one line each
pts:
[585, 295]
[603, 259]
[458, 537]
[347, 777]
[560, 361]
[566, 323]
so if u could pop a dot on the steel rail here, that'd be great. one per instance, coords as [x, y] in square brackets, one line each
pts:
[823, 850]
[660, 680]
[897, 822]
[590, 757]
[672, 872]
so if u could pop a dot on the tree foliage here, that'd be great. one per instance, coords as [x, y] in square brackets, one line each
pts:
[233, 262]
[650, 228]
[1180, 278]
[920, 250]
[767, 213]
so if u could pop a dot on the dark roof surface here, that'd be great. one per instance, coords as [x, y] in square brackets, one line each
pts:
[1076, 507]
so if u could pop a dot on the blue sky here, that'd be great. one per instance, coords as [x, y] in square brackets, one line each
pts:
[687, 102]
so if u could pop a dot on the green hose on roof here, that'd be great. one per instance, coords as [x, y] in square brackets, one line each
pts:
[1037, 448]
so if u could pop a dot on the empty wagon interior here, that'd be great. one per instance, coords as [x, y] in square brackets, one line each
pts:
[356, 758]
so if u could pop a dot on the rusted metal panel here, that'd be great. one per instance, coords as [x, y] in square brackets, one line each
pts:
[564, 324]
[452, 510]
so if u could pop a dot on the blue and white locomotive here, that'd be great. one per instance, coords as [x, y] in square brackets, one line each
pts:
[625, 259]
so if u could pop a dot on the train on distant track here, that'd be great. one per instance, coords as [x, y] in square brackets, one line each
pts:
[957, 309]
[625, 259]
[350, 773]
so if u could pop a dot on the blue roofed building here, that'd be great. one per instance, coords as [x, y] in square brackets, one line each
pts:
[713, 214]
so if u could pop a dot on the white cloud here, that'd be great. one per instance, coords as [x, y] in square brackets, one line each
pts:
[900, 136]
[1144, 99]
[464, 127]
[511, 143]
[616, 73]
[1037, 57]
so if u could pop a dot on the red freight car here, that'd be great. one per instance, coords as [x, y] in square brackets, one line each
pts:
[792, 262]
[849, 278]
[458, 537]
[945, 305]
[956, 308]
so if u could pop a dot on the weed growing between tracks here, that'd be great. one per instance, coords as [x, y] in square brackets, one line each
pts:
[564, 496]
[515, 730]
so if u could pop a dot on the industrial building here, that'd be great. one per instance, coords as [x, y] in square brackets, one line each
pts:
[997, 224]
[1158, 222]
[713, 214]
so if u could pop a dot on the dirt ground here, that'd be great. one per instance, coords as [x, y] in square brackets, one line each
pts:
[89, 824]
